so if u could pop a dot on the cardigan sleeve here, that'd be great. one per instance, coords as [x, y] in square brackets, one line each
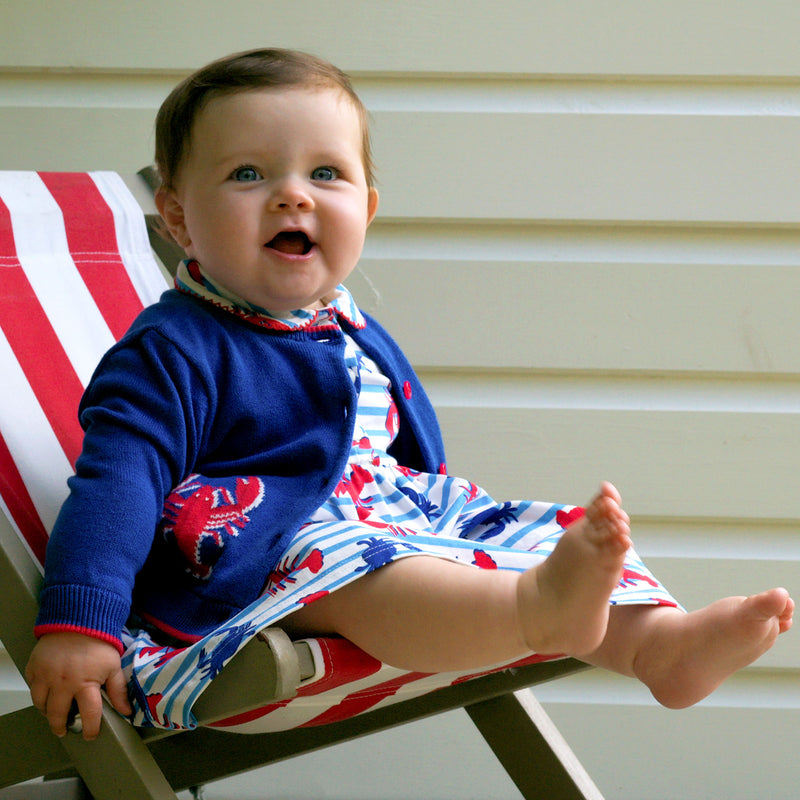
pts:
[144, 416]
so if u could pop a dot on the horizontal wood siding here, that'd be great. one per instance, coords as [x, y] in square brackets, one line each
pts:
[589, 246]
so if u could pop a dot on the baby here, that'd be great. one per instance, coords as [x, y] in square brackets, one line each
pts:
[257, 384]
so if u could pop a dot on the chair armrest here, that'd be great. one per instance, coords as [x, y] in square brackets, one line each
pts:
[268, 669]
[21, 582]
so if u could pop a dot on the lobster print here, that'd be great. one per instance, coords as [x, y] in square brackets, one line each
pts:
[199, 516]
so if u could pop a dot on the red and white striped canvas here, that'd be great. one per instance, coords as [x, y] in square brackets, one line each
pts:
[75, 269]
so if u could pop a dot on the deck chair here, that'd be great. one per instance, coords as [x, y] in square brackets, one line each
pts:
[61, 236]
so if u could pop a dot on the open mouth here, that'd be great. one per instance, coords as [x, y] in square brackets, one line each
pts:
[293, 243]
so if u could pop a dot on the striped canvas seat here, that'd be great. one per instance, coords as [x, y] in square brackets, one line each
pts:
[76, 267]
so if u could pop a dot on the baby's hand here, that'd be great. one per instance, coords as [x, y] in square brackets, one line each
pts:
[66, 666]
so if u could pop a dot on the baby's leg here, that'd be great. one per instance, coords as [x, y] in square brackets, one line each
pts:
[683, 657]
[422, 614]
[432, 615]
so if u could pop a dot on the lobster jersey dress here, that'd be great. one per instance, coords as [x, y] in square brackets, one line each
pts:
[382, 511]
[379, 512]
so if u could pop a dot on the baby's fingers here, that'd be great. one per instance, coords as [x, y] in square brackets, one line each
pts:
[56, 708]
[90, 707]
[117, 690]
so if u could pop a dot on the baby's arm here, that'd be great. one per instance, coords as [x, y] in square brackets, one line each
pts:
[68, 666]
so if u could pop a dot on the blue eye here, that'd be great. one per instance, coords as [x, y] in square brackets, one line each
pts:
[325, 174]
[245, 174]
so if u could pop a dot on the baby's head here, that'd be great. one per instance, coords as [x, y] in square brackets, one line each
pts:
[266, 176]
[252, 70]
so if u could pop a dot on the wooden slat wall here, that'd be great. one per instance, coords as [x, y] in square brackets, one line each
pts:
[589, 245]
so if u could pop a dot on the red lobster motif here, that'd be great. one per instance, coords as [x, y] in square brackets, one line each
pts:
[567, 518]
[352, 486]
[287, 572]
[201, 519]
[630, 576]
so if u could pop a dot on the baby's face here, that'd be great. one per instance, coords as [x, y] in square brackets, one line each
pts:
[272, 199]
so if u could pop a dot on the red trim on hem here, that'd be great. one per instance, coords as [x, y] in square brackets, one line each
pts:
[182, 636]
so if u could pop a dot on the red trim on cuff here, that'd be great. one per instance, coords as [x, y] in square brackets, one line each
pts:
[41, 630]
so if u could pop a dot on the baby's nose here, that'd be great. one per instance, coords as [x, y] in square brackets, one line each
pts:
[292, 194]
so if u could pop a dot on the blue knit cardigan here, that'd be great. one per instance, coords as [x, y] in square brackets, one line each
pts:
[192, 389]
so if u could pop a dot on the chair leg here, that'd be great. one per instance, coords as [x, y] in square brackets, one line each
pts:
[530, 748]
[117, 765]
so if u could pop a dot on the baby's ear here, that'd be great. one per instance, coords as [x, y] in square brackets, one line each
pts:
[171, 211]
[372, 204]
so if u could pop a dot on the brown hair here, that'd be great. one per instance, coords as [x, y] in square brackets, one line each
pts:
[254, 69]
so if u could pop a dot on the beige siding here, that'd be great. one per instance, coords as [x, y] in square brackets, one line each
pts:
[589, 245]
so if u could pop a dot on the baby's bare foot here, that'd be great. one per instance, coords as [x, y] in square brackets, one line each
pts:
[690, 655]
[563, 603]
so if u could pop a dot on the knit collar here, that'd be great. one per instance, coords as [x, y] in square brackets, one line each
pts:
[190, 279]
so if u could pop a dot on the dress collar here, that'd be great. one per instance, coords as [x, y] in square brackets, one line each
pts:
[191, 279]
